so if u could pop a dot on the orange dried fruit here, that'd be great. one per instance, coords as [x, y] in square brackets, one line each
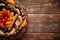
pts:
[2, 25]
[11, 2]
[7, 16]
[24, 23]
[11, 14]
[8, 22]
[10, 19]
[1, 16]
[4, 10]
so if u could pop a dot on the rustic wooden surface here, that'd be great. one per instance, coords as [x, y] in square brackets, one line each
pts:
[43, 20]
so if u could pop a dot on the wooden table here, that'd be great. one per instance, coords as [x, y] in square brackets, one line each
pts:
[43, 20]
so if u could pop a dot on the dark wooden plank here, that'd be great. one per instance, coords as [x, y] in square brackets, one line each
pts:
[43, 23]
[38, 36]
[41, 6]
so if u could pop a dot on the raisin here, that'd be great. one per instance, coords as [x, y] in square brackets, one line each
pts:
[6, 30]
[1, 7]
[7, 7]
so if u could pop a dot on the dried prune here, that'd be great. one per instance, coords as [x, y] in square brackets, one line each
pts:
[1, 7]
[6, 30]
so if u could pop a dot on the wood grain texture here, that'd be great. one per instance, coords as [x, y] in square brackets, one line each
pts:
[43, 20]
[43, 23]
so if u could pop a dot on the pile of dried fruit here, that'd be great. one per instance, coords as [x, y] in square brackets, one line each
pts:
[6, 18]
[12, 18]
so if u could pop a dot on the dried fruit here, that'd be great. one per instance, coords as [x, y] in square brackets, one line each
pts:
[8, 22]
[6, 18]
[11, 2]
[2, 25]
[10, 19]
[24, 23]
[4, 21]
[6, 15]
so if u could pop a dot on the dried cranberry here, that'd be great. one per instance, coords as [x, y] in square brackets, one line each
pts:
[3, 21]
[6, 18]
